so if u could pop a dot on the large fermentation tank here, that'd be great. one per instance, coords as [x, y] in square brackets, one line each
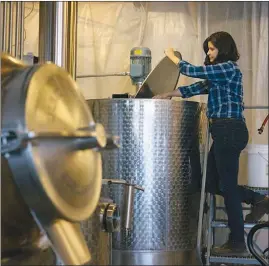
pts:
[159, 150]
[52, 166]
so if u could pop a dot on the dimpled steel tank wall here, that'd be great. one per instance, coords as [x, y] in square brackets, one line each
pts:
[157, 141]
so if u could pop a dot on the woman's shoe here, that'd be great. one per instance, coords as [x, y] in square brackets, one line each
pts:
[258, 210]
[231, 249]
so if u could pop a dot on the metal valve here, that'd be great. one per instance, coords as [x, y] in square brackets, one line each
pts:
[128, 202]
[109, 217]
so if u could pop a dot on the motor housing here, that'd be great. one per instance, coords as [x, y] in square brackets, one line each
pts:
[140, 64]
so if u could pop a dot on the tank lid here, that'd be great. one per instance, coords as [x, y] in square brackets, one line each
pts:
[163, 78]
[59, 179]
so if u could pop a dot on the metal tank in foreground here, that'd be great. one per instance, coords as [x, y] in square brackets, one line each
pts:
[159, 150]
[97, 231]
[105, 221]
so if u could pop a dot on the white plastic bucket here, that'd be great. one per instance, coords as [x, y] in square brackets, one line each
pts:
[256, 165]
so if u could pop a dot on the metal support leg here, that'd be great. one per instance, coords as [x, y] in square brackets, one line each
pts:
[202, 200]
[4, 24]
[210, 238]
[21, 30]
[10, 29]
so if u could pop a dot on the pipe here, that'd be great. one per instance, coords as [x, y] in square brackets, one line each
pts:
[51, 32]
[59, 34]
[4, 25]
[7, 26]
[10, 29]
[250, 237]
[17, 23]
[202, 200]
[105, 75]
[47, 14]
[21, 30]
[71, 38]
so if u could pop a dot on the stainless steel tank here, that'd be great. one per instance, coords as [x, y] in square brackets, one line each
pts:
[159, 150]
[52, 170]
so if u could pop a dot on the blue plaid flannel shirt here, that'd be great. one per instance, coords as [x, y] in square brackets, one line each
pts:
[223, 84]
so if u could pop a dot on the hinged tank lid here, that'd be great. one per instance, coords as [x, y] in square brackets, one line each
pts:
[163, 78]
[44, 107]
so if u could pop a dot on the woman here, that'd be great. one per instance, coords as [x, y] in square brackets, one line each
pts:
[222, 81]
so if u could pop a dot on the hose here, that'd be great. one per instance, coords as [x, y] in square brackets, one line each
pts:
[251, 234]
[260, 130]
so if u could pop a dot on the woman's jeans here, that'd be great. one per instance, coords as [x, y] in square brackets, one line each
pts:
[230, 137]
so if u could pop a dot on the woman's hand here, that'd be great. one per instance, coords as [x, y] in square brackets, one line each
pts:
[170, 53]
[168, 95]
[163, 96]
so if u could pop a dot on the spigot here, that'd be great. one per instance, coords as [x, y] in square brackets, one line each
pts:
[129, 206]
[128, 200]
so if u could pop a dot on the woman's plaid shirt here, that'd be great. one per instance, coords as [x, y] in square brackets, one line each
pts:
[223, 84]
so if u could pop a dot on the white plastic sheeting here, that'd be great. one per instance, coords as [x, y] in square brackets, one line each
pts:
[111, 29]
[108, 30]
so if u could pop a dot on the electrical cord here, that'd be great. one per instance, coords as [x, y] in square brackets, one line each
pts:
[260, 130]
[32, 9]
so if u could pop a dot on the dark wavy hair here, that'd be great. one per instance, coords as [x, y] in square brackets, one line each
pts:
[225, 43]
